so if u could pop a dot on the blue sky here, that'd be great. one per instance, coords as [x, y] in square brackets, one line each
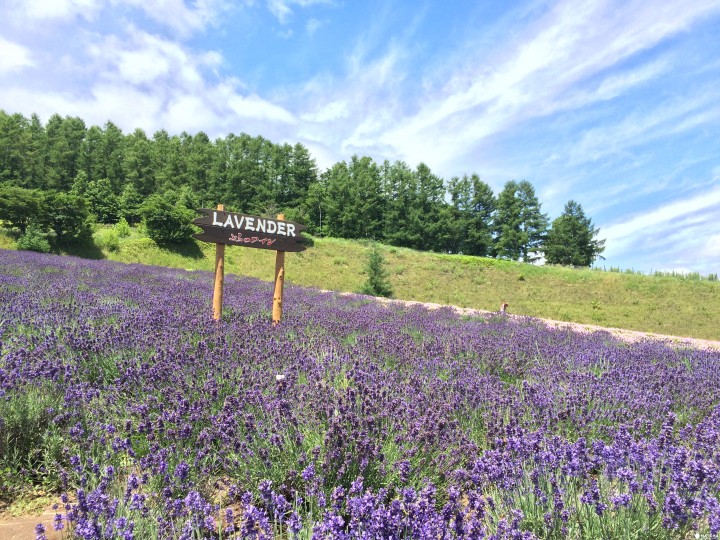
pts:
[614, 104]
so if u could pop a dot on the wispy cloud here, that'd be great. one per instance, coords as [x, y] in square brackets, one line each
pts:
[533, 76]
[694, 217]
[637, 128]
[13, 56]
[283, 9]
[54, 9]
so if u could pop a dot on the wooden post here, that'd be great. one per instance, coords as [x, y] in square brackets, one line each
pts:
[279, 281]
[219, 276]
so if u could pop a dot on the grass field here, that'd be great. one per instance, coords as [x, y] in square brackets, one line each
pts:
[663, 304]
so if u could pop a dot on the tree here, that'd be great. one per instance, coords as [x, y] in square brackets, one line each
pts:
[13, 148]
[19, 206]
[130, 201]
[113, 150]
[572, 238]
[64, 139]
[137, 162]
[67, 216]
[103, 201]
[473, 207]
[34, 239]
[167, 222]
[520, 226]
[354, 204]
[377, 283]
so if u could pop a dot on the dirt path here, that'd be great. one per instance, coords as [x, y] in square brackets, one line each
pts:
[23, 527]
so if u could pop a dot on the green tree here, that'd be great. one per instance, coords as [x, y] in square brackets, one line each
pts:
[130, 202]
[137, 162]
[167, 222]
[432, 214]
[473, 208]
[377, 283]
[34, 239]
[113, 149]
[13, 148]
[67, 216]
[403, 221]
[572, 238]
[520, 226]
[19, 206]
[103, 202]
[35, 168]
[354, 201]
[64, 142]
[90, 160]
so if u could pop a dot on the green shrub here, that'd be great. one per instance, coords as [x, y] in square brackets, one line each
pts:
[108, 239]
[122, 228]
[377, 283]
[167, 222]
[34, 239]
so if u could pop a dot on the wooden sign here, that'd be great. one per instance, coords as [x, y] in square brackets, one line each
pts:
[229, 228]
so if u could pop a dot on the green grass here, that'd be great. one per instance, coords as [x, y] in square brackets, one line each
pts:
[663, 304]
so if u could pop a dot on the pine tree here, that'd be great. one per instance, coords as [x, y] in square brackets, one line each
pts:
[377, 283]
[520, 226]
[572, 238]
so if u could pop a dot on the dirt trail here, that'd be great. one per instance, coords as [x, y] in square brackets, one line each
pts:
[23, 527]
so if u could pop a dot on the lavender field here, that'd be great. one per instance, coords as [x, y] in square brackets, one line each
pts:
[351, 419]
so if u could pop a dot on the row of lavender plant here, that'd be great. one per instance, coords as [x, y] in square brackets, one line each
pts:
[351, 419]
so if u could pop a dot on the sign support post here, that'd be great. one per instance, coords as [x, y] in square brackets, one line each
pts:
[220, 228]
[279, 281]
[219, 276]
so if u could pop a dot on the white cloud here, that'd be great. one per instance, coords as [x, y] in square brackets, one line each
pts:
[312, 26]
[13, 56]
[695, 217]
[329, 112]
[255, 107]
[54, 9]
[710, 249]
[668, 118]
[532, 75]
[176, 14]
[282, 9]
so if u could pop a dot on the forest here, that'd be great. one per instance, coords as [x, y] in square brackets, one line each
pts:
[59, 178]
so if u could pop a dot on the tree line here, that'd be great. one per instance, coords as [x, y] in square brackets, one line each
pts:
[62, 176]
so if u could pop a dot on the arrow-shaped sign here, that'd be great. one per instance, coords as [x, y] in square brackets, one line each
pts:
[230, 228]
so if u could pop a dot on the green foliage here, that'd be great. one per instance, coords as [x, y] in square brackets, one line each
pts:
[352, 201]
[19, 206]
[122, 228]
[102, 201]
[389, 202]
[28, 440]
[129, 203]
[473, 206]
[34, 239]
[64, 143]
[108, 239]
[166, 222]
[68, 217]
[520, 225]
[377, 283]
[572, 238]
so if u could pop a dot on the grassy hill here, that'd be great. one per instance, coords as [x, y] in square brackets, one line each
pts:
[663, 304]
